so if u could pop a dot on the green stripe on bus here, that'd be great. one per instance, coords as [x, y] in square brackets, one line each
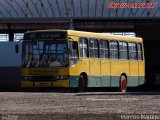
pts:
[132, 81]
[108, 81]
[141, 80]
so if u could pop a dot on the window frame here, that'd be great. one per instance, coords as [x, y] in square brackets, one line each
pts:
[108, 53]
[94, 48]
[87, 48]
[133, 52]
[141, 48]
[114, 50]
[127, 50]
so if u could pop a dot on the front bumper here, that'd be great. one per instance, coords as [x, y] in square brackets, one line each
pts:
[33, 84]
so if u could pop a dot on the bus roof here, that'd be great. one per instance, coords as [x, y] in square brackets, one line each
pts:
[103, 36]
[92, 35]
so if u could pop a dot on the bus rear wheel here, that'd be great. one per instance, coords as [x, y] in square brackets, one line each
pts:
[123, 84]
[81, 83]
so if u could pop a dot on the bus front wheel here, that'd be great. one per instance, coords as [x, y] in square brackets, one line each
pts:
[81, 83]
[123, 84]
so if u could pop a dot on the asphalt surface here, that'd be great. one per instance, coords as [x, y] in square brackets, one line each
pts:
[83, 106]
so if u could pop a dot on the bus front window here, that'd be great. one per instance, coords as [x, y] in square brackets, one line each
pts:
[45, 54]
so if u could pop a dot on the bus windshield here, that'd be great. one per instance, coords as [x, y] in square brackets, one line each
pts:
[45, 54]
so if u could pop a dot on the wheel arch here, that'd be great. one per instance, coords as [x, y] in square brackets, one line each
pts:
[82, 82]
[84, 74]
[122, 85]
[125, 75]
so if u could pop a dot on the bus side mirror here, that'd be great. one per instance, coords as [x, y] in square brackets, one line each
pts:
[17, 48]
[75, 45]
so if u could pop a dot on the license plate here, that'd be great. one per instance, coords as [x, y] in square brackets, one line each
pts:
[43, 84]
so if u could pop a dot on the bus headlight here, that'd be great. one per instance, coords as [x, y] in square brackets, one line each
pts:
[27, 78]
[62, 77]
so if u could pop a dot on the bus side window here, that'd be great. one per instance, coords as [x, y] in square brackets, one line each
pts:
[132, 51]
[123, 51]
[113, 49]
[73, 52]
[93, 48]
[83, 47]
[103, 49]
[139, 48]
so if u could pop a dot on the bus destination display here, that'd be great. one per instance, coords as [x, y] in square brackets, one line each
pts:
[45, 35]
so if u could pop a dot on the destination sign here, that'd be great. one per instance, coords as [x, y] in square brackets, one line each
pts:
[45, 35]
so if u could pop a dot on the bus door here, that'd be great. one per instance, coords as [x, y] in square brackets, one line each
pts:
[132, 80]
[94, 64]
[105, 63]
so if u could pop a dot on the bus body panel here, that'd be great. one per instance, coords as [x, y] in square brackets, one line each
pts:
[115, 73]
[105, 72]
[118, 67]
[82, 66]
[94, 73]
[133, 77]
[141, 73]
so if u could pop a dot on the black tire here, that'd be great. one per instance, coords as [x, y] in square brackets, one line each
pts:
[81, 83]
[123, 84]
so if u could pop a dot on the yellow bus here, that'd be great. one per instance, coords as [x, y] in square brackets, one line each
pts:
[76, 59]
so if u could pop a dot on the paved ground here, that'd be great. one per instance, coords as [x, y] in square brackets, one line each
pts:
[74, 106]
